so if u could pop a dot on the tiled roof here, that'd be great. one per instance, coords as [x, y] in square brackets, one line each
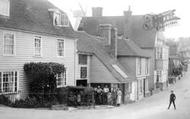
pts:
[131, 27]
[90, 44]
[33, 16]
[127, 47]
[91, 24]
[143, 38]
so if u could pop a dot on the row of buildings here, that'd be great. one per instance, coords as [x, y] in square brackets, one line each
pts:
[128, 52]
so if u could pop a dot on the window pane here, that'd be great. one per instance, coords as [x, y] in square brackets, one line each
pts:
[57, 19]
[82, 59]
[83, 72]
[15, 82]
[64, 20]
[9, 81]
[139, 66]
[60, 48]
[4, 7]
[8, 43]
[60, 80]
[0, 83]
[37, 46]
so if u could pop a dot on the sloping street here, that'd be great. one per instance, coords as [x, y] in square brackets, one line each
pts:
[154, 107]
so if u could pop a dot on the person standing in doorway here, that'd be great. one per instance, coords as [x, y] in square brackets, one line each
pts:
[114, 96]
[172, 99]
[119, 95]
[105, 95]
[99, 95]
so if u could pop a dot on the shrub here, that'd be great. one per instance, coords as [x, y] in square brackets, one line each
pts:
[42, 85]
[68, 96]
[5, 100]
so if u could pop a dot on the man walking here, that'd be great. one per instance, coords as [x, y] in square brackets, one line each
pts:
[172, 99]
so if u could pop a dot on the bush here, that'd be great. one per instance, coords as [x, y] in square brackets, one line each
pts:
[68, 96]
[26, 103]
[43, 81]
[5, 100]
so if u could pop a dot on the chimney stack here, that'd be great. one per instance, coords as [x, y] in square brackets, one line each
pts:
[113, 45]
[110, 38]
[97, 11]
[105, 32]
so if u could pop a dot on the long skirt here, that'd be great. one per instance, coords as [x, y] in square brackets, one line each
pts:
[118, 99]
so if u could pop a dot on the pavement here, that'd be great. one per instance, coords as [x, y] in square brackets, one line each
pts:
[153, 107]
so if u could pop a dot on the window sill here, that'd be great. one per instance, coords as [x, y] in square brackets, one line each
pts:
[37, 56]
[61, 86]
[8, 93]
[4, 16]
[9, 55]
[60, 56]
[61, 26]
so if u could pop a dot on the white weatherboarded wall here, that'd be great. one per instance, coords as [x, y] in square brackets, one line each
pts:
[25, 54]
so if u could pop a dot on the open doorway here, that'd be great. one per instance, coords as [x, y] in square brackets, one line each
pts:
[82, 83]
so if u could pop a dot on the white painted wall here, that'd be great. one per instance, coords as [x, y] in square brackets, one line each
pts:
[25, 54]
[133, 95]
[78, 66]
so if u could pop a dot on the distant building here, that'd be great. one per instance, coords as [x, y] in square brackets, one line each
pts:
[141, 30]
[95, 67]
[124, 50]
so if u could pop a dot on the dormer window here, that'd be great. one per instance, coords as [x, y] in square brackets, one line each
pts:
[60, 19]
[4, 8]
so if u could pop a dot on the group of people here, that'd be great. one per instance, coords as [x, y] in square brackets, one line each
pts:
[105, 96]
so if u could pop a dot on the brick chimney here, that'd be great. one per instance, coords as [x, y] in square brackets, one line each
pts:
[110, 38]
[113, 45]
[97, 11]
[127, 22]
[105, 32]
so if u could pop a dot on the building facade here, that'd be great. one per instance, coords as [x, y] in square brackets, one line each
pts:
[102, 69]
[25, 39]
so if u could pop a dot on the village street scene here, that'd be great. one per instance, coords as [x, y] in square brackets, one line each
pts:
[88, 59]
[154, 107]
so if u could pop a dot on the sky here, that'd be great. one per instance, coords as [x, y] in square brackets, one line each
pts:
[138, 7]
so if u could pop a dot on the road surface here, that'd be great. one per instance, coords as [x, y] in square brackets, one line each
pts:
[154, 107]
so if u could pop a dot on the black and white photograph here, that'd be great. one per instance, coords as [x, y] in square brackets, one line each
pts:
[94, 59]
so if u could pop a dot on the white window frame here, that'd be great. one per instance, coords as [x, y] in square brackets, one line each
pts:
[86, 72]
[13, 87]
[7, 13]
[140, 86]
[139, 66]
[58, 40]
[63, 81]
[14, 47]
[60, 19]
[39, 38]
[147, 66]
[79, 59]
